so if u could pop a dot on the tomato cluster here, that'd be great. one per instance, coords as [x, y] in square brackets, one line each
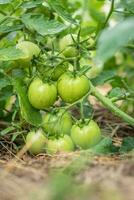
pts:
[58, 131]
[82, 136]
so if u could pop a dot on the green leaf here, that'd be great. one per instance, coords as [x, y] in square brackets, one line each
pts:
[31, 115]
[61, 11]
[6, 92]
[42, 25]
[104, 77]
[87, 109]
[31, 4]
[11, 53]
[117, 81]
[4, 81]
[111, 40]
[127, 144]
[116, 92]
[4, 28]
[105, 146]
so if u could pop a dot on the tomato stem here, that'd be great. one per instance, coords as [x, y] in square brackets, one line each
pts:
[82, 112]
[110, 105]
[110, 13]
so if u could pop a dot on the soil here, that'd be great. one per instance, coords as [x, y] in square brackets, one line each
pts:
[23, 177]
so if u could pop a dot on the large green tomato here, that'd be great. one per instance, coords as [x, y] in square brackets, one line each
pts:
[63, 144]
[57, 123]
[72, 88]
[36, 142]
[86, 136]
[65, 46]
[29, 49]
[42, 95]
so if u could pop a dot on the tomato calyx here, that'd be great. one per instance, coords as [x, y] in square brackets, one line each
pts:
[52, 58]
[77, 42]
[56, 136]
[45, 79]
[52, 66]
[83, 122]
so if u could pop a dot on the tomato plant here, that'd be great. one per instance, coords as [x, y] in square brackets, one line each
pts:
[71, 88]
[36, 141]
[57, 123]
[62, 144]
[42, 95]
[86, 135]
[55, 55]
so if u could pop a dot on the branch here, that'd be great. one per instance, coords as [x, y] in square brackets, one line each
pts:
[108, 104]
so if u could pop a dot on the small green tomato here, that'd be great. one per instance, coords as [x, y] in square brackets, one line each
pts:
[29, 49]
[65, 46]
[57, 123]
[63, 144]
[36, 142]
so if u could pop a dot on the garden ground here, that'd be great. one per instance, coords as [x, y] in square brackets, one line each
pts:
[90, 177]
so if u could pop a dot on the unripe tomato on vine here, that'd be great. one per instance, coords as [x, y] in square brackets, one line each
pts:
[42, 95]
[60, 145]
[29, 49]
[67, 47]
[71, 88]
[36, 141]
[86, 135]
[57, 123]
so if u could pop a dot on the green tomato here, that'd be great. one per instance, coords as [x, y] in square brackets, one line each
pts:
[86, 136]
[36, 141]
[58, 123]
[63, 144]
[29, 49]
[58, 71]
[72, 88]
[42, 95]
[64, 45]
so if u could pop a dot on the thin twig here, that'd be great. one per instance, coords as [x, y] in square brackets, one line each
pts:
[110, 13]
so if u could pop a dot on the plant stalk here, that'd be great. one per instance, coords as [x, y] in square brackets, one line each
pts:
[108, 104]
